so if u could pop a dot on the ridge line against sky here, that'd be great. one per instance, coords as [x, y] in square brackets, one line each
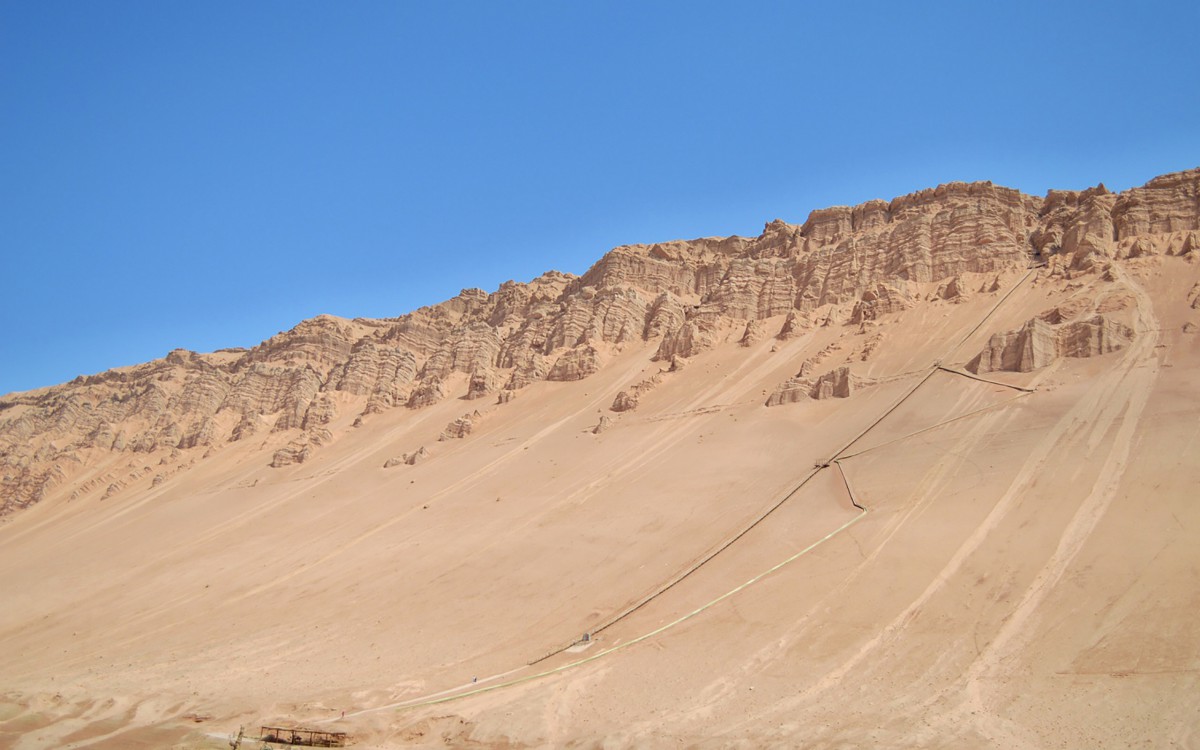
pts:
[203, 176]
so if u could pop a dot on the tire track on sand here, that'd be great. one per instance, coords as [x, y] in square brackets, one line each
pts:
[1081, 417]
[1133, 388]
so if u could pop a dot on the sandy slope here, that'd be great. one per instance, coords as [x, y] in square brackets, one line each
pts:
[1026, 576]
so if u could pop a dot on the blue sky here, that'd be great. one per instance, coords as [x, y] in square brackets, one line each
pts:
[206, 174]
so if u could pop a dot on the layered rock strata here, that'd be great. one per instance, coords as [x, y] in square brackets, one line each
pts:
[300, 388]
[837, 383]
[1039, 342]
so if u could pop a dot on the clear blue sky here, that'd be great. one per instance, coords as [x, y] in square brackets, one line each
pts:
[206, 174]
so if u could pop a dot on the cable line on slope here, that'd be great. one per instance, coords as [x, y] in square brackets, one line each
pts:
[837, 458]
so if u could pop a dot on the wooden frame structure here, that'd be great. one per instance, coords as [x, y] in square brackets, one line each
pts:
[297, 736]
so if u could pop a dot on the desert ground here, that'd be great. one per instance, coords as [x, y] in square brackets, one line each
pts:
[942, 559]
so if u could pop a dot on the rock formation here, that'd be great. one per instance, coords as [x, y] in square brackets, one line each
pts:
[837, 383]
[681, 298]
[881, 300]
[752, 334]
[575, 364]
[791, 328]
[1039, 342]
[482, 383]
[416, 457]
[460, 427]
[627, 400]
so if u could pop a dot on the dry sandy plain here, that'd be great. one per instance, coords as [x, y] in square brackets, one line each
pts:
[1024, 570]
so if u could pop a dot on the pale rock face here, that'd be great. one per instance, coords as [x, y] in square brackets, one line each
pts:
[809, 366]
[1170, 203]
[753, 289]
[881, 300]
[320, 412]
[1032, 347]
[790, 391]
[471, 347]
[1078, 231]
[245, 428]
[837, 383]
[1077, 226]
[1183, 243]
[416, 457]
[752, 334]
[482, 383]
[529, 367]
[575, 364]
[864, 261]
[793, 326]
[624, 401]
[202, 432]
[1039, 342]
[953, 291]
[826, 226]
[459, 428]
[682, 268]
[628, 399]
[666, 314]
[924, 237]
[1093, 337]
[266, 389]
[604, 423]
[374, 367]
[296, 452]
[407, 459]
[686, 341]
[323, 341]
[614, 315]
[698, 333]
[426, 394]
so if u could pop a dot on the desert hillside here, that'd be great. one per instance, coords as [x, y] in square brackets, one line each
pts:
[918, 473]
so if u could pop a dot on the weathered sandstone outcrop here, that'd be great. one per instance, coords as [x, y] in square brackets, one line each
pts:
[1039, 342]
[407, 459]
[752, 334]
[296, 452]
[374, 367]
[429, 392]
[842, 264]
[793, 326]
[837, 383]
[575, 364]
[698, 333]
[627, 400]
[881, 300]
[460, 427]
[483, 382]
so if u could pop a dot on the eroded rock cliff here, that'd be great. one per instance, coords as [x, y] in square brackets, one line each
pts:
[841, 266]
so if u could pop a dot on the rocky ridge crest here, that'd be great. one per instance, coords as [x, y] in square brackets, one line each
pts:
[842, 266]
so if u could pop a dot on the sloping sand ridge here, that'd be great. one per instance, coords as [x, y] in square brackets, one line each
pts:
[967, 516]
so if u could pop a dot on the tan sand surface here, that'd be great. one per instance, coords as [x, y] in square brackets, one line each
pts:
[1023, 572]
